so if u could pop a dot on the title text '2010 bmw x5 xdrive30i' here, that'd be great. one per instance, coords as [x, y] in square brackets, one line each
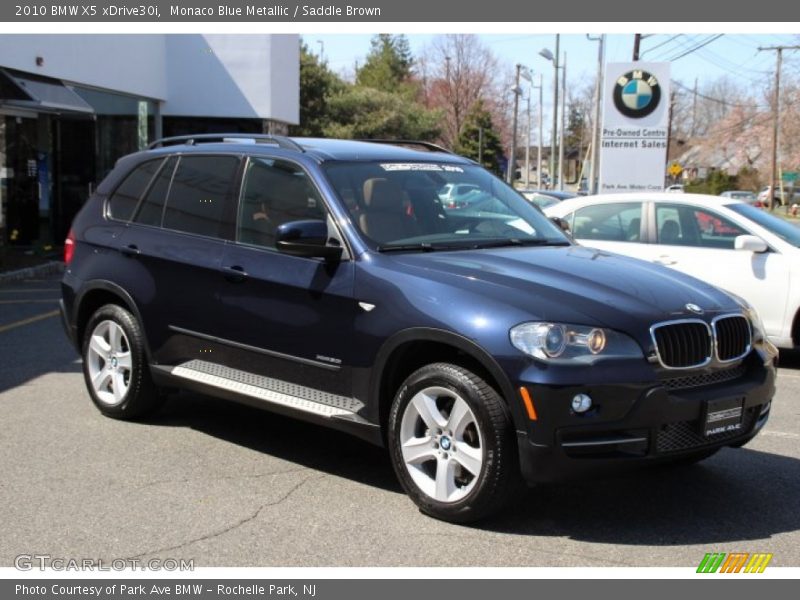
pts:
[326, 280]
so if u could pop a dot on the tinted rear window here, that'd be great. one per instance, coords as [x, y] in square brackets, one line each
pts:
[125, 198]
[199, 192]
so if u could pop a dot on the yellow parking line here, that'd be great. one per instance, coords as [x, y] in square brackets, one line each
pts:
[28, 321]
[29, 301]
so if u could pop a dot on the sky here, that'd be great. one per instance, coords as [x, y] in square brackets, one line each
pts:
[705, 56]
[734, 55]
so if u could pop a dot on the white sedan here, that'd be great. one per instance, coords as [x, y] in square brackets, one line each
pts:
[728, 243]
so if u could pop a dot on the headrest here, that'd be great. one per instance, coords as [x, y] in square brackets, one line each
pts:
[382, 194]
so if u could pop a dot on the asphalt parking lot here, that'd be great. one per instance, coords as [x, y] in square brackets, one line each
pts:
[227, 485]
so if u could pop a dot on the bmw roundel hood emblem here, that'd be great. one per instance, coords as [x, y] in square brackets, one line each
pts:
[694, 308]
[637, 94]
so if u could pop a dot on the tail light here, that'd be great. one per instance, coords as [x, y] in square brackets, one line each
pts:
[69, 247]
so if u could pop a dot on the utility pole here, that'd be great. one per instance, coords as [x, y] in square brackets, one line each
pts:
[563, 120]
[512, 159]
[637, 42]
[598, 94]
[552, 169]
[694, 109]
[775, 115]
[480, 146]
[528, 144]
[539, 147]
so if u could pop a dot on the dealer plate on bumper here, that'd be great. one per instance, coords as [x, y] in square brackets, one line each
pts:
[723, 416]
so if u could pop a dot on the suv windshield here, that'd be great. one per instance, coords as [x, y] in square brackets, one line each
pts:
[437, 206]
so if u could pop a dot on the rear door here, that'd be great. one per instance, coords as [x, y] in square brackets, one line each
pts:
[175, 246]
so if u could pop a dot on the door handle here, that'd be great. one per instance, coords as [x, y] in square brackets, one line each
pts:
[665, 260]
[130, 250]
[235, 273]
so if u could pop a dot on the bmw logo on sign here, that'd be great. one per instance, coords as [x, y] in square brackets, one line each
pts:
[637, 94]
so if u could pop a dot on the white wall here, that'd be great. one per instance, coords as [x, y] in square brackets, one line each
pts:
[252, 76]
[126, 63]
[239, 76]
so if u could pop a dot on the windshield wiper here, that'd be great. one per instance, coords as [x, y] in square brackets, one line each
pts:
[519, 242]
[421, 247]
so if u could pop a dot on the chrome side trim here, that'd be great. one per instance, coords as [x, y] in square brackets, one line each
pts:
[239, 345]
[605, 442]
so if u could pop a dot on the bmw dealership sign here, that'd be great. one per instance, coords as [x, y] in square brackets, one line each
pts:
[633, 148]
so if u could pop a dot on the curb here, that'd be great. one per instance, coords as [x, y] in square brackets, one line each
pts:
[50, 268]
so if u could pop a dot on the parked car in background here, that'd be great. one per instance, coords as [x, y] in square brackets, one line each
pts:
[557, 194]
[743, 195]
[728, 243]
[675, 188]
[781, 197]
[539, 199]
[457, 195]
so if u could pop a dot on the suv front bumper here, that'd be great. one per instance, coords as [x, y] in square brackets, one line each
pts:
[631, 425]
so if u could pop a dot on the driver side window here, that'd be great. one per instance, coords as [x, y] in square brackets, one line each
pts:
[274, 192]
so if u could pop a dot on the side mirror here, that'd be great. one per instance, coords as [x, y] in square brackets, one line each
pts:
[562, 223]
[306, 238]
[750, 243]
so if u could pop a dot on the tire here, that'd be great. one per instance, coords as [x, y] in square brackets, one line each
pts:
[452, 444]
[115, 365]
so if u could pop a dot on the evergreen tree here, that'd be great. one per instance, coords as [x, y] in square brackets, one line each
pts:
[364, 113]
[479, 118]
[317, 85]
[389, 64]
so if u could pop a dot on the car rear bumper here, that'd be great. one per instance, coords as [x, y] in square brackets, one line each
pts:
[635, 425]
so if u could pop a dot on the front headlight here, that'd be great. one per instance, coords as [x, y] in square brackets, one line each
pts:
[550, 341]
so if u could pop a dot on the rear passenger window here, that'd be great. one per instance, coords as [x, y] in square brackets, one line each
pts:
[125, 198]
[613, 222]
[198, 194]
[152, 206]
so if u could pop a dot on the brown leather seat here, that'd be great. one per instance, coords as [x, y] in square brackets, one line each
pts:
[384, 218]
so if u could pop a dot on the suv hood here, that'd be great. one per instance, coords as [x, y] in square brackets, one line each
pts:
[571, 284]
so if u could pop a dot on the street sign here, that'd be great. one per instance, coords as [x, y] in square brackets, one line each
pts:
[675, 169]
[789, 176]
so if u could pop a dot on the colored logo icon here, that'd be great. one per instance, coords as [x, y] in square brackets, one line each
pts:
[735, 562]
[637, 94]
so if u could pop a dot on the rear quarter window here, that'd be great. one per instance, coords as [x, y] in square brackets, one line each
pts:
[123, 201]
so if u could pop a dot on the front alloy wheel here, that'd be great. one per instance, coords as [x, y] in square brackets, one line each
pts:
[452, 444]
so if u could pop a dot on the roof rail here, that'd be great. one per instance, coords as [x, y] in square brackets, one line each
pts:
[430, 146]
[211, 138]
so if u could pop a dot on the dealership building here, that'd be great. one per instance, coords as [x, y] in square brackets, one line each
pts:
[71, 105]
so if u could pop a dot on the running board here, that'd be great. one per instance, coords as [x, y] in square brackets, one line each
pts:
[269, 390]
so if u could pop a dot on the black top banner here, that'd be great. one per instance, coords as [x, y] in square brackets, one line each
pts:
[582, 11]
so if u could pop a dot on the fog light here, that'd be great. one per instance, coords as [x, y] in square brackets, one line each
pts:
[581, 403]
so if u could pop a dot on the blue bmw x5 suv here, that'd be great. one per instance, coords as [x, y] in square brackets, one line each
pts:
[326, 280]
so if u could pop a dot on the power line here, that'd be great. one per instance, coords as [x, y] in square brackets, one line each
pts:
[700, 45]
[661, 44]
[718, 100]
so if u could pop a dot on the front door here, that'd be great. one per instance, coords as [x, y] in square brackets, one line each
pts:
[291, 318]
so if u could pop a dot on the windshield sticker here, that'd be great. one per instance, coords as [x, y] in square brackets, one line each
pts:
[420, 167]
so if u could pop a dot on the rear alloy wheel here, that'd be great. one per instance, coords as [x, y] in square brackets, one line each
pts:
[452, 444]
[115, 365]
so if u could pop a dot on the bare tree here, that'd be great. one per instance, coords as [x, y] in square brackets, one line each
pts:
[456, 71]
